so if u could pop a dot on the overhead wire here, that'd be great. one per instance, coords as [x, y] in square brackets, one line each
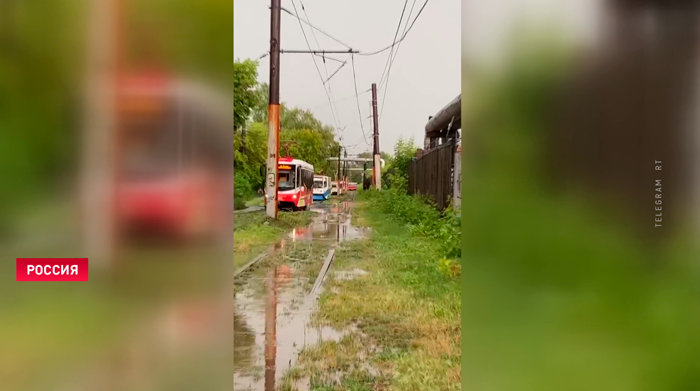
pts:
[313, 27]
[357, 99]
[387, 69]
[341, 99]
[303, 31]
[396, 42]
[325, 67]
[391, 63]
[394, 54]
[398, 28]
[360, 53]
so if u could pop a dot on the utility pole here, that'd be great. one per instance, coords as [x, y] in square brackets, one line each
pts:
[376, 170]
[340, 151]
[99, 165]
[273, 118]
[345, 164]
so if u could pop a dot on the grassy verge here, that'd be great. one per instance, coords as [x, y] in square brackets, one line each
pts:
[258, 201]
[404, 316]
[253, 232]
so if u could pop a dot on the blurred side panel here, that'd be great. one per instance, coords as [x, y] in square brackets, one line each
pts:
[116, 144]
[580, 175]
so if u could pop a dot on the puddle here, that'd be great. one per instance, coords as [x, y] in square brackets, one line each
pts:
[332, 224]
[273, 309]
[271, 329]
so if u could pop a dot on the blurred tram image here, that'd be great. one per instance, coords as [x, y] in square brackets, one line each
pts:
[174, 158]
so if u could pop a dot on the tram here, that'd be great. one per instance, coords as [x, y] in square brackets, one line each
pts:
[295, 184]
[322, 187]
[173, 169]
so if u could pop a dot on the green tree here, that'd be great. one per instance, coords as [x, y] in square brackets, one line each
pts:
[245, 95]
[404, 152]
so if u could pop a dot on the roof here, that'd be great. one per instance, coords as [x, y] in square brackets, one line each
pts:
[295, 162]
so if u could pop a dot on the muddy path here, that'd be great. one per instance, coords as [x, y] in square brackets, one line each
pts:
[273, 304]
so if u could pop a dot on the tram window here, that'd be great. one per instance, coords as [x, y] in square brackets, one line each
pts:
[286, 181]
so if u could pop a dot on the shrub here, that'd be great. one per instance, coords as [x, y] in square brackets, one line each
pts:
[423, 218]
[242, 191]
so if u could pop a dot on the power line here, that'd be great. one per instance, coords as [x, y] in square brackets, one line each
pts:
[340, 99]
[396, 42]
[295, 14]
[387, 67]
[402, 37]
[317, 70]
[357, 99]
[395, 54]
[325, 67]
[403, 11]
[391, 64]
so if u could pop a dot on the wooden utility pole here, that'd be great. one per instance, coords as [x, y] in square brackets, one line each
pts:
[340, 151]
[376, 170]
[345, 164]
[100, 128]
[273, 118]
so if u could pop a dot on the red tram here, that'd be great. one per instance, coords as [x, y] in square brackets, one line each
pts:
[173, 167]
[295, 184]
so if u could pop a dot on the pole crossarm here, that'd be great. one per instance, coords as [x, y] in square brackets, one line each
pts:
[349, 51]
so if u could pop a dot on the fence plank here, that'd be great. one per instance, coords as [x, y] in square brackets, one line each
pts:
[432, 174]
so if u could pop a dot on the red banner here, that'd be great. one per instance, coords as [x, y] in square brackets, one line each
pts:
[52, 269]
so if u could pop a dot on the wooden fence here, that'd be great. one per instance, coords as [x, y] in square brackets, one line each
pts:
[431, 174]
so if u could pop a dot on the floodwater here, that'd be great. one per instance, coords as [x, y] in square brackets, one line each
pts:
[333, 224]
[273, 309]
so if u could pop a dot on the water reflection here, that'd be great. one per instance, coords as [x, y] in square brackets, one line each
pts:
[244, 341]
[272, 326]
[273, 308]
[333, 224]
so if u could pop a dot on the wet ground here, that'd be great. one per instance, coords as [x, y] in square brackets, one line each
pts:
[273, 304]
[249, 209]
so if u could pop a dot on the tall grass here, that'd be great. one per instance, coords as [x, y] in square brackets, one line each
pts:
[422, 218]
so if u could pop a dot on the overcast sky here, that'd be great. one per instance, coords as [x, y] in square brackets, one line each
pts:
[424, 77]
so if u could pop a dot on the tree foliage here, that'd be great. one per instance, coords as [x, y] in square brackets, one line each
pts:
[245, 96]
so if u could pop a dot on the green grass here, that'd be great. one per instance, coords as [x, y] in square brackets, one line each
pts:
[258, 201]
[253, 232]
[406, 314]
